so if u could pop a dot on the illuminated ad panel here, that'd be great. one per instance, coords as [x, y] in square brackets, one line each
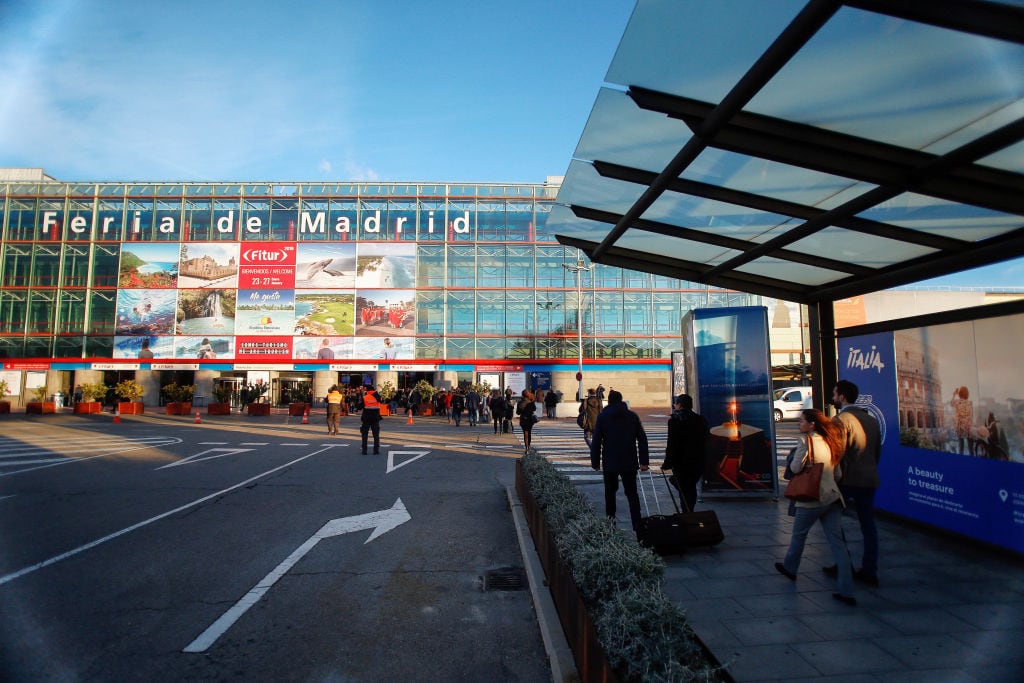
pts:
[950, 400]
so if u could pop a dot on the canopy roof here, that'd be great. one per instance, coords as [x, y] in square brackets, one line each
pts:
[808, 151]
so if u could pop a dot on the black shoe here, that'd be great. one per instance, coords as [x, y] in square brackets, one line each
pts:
[845, 599]
[831, 570]
[376, 452]
[859, 575]
[362, 452]
[779, 567]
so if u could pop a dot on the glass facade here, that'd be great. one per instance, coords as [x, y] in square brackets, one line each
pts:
[272, 273]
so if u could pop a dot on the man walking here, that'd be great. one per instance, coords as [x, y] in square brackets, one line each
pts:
[860, 473]
[370, 419]
[684, 450]
[618, 449]
[473, 406]
[334, 399]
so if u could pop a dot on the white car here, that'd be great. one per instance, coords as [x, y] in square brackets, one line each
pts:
[789, 401]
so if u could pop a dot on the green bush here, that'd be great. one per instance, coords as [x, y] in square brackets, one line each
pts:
[643, 633]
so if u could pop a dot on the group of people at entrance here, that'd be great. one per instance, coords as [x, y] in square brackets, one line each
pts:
[847, 446]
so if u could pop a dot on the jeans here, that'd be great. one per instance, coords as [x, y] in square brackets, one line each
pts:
[611, 488]
[830, 517]
[457, 416]
[863, 498]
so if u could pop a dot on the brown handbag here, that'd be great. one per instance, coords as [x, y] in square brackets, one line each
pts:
[805, 486]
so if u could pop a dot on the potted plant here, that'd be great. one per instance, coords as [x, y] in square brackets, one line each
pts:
[222, 392]
[5, 405]
[130, 392]
[252, 397]
[179, 398]
[298, 403]
[39, 405]
[385, 392]
[426, 393]
[91, 393]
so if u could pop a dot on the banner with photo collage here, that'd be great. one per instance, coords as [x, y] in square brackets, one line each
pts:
[271, 301]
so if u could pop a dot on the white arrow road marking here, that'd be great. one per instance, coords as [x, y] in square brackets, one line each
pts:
[391, 459]
[82, 548]
[381, 522]
[221, 452]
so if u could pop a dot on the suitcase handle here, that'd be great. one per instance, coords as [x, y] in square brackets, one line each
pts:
[671, 493]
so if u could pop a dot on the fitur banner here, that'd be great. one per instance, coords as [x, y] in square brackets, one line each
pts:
[950, 400]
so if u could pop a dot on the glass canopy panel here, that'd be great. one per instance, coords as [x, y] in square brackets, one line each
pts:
[763, 177]
[583, 186]
[856, 247]
[896, 81]
[1009, 159]
[789, 271]
[684, 250]
[696, 49]
[622, 133]
[713, 216]
[568, 225]
[939, 217]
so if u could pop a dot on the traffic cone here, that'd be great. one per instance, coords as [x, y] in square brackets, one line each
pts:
[409, 421]
[198, 421]
[117, 416]
[305, 417]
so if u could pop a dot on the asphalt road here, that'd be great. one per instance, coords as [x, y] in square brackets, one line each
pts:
[245, 549]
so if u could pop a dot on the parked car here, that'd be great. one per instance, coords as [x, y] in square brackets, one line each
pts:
[789, 401]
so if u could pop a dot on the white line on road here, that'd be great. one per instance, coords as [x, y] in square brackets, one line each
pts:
[88, 546]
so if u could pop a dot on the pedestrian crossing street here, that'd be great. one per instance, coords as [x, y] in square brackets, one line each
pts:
[562, 443]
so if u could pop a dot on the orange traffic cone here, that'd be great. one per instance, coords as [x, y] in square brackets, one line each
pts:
[117, 416]
[409, 421]
[198, 421]
[305, 417]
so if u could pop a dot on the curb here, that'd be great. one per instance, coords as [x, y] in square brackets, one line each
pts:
[563, 666]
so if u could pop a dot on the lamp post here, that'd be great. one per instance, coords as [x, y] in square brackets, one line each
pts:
[579, 268]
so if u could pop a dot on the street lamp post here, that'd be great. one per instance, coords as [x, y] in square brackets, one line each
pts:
[579, 268]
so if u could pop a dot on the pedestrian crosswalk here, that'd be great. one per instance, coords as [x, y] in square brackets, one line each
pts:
[562, 443]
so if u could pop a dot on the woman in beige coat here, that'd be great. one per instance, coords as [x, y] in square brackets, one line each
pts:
[824, 443]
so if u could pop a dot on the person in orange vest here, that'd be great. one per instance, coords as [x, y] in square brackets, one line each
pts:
[334, 399]
[370, 419]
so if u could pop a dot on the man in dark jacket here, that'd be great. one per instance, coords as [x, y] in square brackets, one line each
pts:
[370, 420]
[684, 451]
[618, 449]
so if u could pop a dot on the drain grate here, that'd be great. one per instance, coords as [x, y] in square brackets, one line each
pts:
[505, 579]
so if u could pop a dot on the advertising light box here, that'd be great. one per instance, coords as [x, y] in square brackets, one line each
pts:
[950, 399]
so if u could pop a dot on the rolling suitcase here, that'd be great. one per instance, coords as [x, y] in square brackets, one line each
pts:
[667, 534]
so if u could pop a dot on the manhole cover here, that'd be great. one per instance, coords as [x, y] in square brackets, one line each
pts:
[506, 579]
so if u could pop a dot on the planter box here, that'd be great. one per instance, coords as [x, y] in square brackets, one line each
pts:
[577, 625]
[88, 407]
[426, 409]
[384, 410]
[178, 408]
[40, 407]
[218, 409]
[5, 407]
[131, 408]
[297, 409]
[258, 409]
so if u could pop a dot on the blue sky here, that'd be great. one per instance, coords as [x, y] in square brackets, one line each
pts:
[344, 90]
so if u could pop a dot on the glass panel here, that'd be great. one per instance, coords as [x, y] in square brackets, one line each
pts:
[519, 226]
[940, 217]
[343, 220]
[431, 221]
[38, 347]
[668, 314]
[21, 220]
[252, 223]
[403, 220]
[521, 347]
[430, 266]
[543, 210]
[429, 313]
[284, 219]
[519, 313]
[490, 312]
[80, 220]
[489, 348]
[461, 347]
[99, 347]
[140, 226]
[41, 310]
[69, 347]
[636, 313]
[606, 315]
[314, 223]
[76, 265]
[102, 312]
[46, 266]
[168, 221]
[430, 348]
[490, 266]
[551, 312]
[198, 224]
[17, 265]
[461, 266]
[461, 226]
[105, 263]
[519, 267]
[13, 311]
[71, 317]
[549, 271]
[461, 313]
